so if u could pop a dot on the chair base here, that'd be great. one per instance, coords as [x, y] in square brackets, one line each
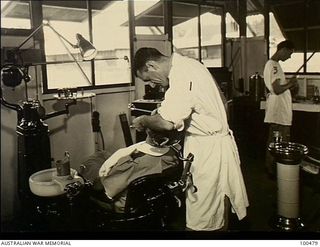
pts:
[282, 223]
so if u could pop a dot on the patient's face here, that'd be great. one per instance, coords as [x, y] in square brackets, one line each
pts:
[162, 139]
[157, 141]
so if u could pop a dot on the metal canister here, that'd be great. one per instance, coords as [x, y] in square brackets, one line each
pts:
[256, 87]
[63, 166]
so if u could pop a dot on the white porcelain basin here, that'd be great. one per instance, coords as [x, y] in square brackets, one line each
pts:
[47, 183]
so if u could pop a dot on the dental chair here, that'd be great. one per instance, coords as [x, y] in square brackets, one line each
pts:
[147, 203]
[152, 202]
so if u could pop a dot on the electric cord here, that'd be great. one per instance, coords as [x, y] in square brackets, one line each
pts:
[102, 139]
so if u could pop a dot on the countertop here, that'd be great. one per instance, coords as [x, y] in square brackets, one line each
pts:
[147, 101]
[306, 105]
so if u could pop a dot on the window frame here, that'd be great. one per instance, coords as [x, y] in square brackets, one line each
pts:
[46, 90]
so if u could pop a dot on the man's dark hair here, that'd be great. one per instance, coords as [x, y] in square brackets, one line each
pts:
[143, 55]
[285, 44]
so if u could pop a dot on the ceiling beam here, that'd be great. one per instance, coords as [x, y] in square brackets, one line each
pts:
[284, 3]
[63, 7]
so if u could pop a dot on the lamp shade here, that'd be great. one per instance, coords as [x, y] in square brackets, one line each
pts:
[87, 50]
[12, 76]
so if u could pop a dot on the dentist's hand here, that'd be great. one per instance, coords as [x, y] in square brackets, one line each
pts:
[137, 123]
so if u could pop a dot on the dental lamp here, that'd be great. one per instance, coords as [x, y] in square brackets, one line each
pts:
[13, 73]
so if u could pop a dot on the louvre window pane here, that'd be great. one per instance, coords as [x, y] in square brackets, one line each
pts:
[255, 25]
[151, 23]
[232, 27]
[15, 14]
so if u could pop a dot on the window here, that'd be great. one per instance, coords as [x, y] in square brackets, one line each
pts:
[185, 32]
[255, 25]
[294, 63]
[314, 63]
[186, 35]
[57, 54]
[111, 66]
[15, 14]
[232, 27]
[111, 38]
[211, 51]
[148, 24]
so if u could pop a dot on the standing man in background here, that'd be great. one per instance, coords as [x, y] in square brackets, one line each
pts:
[193, 103]
[279, 101]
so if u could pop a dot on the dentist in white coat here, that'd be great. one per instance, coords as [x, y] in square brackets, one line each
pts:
[193, 103]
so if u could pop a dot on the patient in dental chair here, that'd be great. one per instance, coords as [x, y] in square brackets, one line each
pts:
[153, 156]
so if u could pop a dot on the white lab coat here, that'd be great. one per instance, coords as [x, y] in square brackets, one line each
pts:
[193, 101]
[278, 107]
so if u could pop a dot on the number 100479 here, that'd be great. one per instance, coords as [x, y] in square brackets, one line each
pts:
[309, 242]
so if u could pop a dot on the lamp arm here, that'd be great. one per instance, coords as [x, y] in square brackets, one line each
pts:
[30, 36]
[61, 36]
[75, 60]
[41, 26]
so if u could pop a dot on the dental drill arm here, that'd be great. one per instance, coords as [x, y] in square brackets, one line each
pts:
[57, 113]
